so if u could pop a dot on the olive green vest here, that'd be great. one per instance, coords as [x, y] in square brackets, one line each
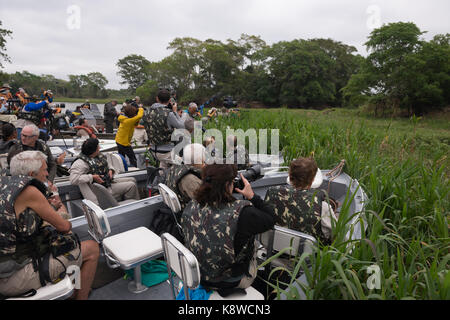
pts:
[174, 175]
[298, 210]
[209, 234]
[155, 123]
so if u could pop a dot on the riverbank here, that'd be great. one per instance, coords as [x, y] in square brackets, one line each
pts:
[93, 100]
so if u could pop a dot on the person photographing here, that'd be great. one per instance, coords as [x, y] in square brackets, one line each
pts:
[128, 121]
[220, 230]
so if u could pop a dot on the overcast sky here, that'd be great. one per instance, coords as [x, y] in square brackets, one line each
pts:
[62, 37]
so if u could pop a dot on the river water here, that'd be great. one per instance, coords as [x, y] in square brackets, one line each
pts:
[72, 106]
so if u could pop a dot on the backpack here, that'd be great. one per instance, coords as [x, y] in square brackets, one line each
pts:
[164, 221]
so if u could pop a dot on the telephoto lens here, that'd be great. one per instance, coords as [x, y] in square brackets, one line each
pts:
[251, 174]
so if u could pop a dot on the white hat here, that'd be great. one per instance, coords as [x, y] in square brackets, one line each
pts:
[318, 179]
[317, 182]
[194, 154]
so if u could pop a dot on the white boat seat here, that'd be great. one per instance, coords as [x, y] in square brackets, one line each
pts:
[170, 198]
[161, 149]
[3, 161]
[251, 294]
[128, 255]
[185, 265]
[105, 198]
[58, 291]
[127, 250]
[115, 161]
[280, 238]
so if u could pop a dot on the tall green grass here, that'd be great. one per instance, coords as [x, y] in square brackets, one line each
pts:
[403, 166]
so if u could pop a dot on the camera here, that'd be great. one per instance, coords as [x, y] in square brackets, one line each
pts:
[228, 102]
[60, 123]
[251, 174]
[132, 102]
[11, 101]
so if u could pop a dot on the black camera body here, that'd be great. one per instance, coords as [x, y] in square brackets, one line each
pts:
[228, 102]
[251, 174]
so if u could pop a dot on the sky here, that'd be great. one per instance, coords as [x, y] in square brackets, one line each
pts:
[62, 37]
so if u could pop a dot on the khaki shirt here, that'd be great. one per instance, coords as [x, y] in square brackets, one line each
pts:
[189, 184]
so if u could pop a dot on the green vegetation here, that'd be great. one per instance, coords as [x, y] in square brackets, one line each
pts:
[402, 165]
[3, 34]
[403, 74]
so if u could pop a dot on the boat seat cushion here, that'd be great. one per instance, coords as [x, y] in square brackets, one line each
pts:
[61, 290]
[133, 246]
[252, 294]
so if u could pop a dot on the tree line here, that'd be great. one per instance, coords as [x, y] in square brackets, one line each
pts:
[402, 72]
[91, 85]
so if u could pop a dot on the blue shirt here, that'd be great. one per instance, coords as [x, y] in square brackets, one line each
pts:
[32, 106]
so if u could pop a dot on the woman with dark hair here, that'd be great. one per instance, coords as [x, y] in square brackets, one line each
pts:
[220, 230]
[8, 138]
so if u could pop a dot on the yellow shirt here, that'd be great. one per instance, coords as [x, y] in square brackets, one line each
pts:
[126, 128]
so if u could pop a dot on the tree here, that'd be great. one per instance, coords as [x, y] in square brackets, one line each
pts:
[3, 34]
[96, 83]
[345, 64]
[402, 71]
[300, 72]
[75, 84]
[133, 70]
[148, 91]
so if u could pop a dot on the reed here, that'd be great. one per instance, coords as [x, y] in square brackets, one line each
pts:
[402, 165]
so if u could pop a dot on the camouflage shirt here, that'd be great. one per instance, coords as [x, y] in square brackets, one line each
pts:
[155, 123]
[32, 116]
[39, 146]
[298, 210]
[14, 231]
[209, 233]
[97, 165]
[174, 175]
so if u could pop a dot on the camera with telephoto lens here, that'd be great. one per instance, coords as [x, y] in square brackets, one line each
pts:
[251, 174]
[228, 102]
[12, 101]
